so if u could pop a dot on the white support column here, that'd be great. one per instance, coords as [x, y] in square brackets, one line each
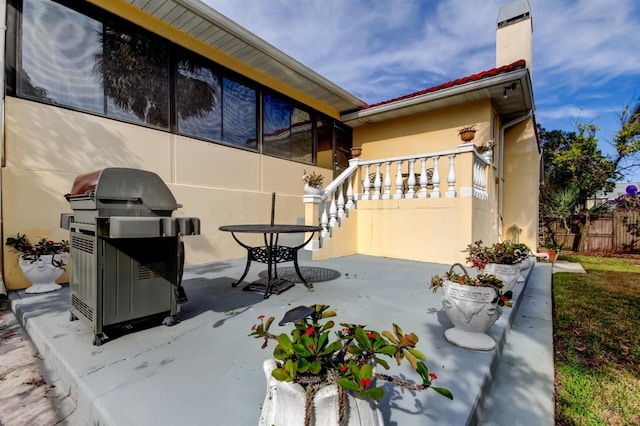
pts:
[451, 178]
[398, 193]
[411, 180]
[423, 179]
[350, 204]
[377, 183]
[324, 220]
[341, 212]
[436, 178]
[333, 211]
[366, 183]
[387, 181]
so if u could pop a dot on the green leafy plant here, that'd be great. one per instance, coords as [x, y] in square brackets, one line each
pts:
[313, 179]
[552, 246]
[505, 253]
[33, 252]
[309, 356]
[482, 280]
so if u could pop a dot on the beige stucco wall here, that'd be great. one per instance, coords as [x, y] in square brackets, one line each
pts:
[433, 230]
[521, 177]
[47, 147]
[425, 132]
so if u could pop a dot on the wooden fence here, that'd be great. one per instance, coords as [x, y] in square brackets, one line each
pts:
[616, 232]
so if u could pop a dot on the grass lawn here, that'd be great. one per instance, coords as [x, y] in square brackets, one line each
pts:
[597, 342]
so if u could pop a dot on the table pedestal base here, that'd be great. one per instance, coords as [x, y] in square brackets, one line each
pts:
[278, 285]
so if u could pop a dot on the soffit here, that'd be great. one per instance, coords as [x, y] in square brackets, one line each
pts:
[216, 30]
[518, 101]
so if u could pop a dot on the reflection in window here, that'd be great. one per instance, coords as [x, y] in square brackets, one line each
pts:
[134, 72]
[58, 51]
[239, 115]
[198, 99]
[324, 132]
[287, 130]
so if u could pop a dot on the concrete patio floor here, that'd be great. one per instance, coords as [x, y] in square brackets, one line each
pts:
[205, 370]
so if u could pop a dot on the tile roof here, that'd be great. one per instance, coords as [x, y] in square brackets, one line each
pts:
[474, 77]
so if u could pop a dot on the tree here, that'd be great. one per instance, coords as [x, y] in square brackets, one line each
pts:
[574, 166]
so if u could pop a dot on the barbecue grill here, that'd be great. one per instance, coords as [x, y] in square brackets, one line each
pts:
[126, 249]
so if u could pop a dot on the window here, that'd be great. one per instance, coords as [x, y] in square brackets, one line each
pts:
[198, 94]
[58, 53]
[287, 130]
[134, 71]
[239, 114]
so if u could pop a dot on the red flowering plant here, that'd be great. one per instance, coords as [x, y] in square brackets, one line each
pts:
[481, 280]
[506, 253]
[32, 252]
[310, 357]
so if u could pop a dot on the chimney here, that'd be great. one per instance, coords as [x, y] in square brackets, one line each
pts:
[514, 34]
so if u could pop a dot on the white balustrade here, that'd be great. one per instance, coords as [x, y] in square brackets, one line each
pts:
[358, 182]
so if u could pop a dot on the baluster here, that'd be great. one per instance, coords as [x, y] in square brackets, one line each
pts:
[476, 178]
[324, 220]
[399, 188]
[377, 184]
[366, 183]
[451, 178]
[387, 181]
[350, 204]
[341, 213]
[423, 179]
[436, 178]
[411, 180]
[333, 211]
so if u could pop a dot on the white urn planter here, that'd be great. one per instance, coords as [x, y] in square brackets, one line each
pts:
[42, 273]
[524, 269]
[507, 273]
[470, 310]
[284, 405]
[312, 190]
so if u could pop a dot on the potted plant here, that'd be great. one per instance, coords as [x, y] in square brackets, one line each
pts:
[486, 151]
[356, 151]
[332, 378]
[467, 133]
[473, 304]
[552, 250]
[312, 183]
[41, 263]
[500, 259]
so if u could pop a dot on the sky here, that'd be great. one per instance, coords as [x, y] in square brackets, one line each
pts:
[586, 53]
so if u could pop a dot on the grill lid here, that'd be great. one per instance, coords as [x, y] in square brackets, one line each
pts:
[122, 191]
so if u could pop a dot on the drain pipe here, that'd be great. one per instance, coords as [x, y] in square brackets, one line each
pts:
[4, 300]
[501, 168]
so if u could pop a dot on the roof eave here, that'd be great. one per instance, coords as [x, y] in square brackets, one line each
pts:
[449, 96]
[268, 49]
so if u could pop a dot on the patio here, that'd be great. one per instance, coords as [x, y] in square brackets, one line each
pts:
[205, 370]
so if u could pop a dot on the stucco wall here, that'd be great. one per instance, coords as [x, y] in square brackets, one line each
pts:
[47, 147]
[521, 177]
[433, 230]
[425, 132]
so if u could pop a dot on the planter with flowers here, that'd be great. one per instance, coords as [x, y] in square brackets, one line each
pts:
[473, 304]
[312, 183]
[467, 133]
[552, 250]
[500, 259]
[41, 263]
[316, 380]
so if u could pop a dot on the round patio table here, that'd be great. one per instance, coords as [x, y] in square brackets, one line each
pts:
[271, 254]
